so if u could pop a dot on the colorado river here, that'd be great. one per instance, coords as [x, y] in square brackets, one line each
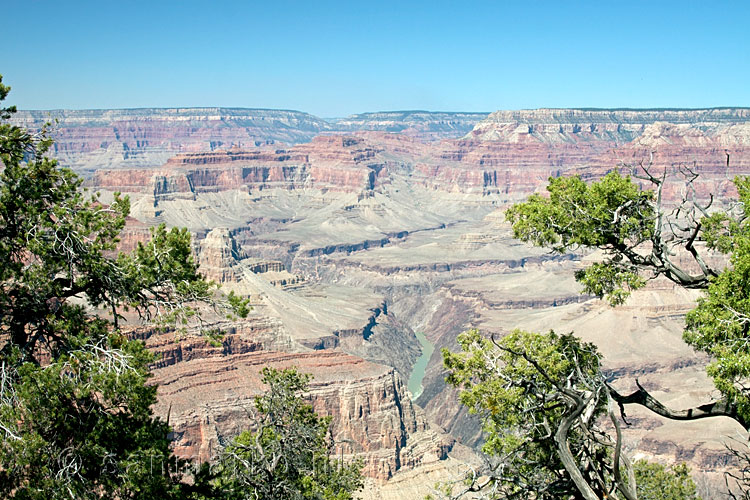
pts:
[417, 373]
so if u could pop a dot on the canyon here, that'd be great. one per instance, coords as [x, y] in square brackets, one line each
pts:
[359, 239]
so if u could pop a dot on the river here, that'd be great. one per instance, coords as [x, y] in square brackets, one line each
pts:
[417, 373]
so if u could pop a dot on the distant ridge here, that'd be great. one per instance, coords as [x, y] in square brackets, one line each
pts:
[410, 112]
[178, 109]
[87, 139]
[617, 126]
[713, 108]
[411, 115]
[619, 115]
[139, 137]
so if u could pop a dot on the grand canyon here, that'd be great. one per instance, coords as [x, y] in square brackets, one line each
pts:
[367, 244]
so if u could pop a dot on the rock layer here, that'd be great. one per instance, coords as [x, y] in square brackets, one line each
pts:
[422, 125]
[118, 138]
[88, 139]
[209, 398]
[510, 154]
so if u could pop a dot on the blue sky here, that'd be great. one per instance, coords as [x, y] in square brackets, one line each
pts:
[334, 58]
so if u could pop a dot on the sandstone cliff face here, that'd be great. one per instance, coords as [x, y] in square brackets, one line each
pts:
[511, 154]
[119, 138]
[518, 150]
[133, 233]
[91, 139]
[218, 255]
[209, 398]
[328, 162]
[595, 141]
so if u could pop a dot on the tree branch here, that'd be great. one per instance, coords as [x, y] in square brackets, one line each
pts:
[628, 489]
[721, 408]
[566, 457]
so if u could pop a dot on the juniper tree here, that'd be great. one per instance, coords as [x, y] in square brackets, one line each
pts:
[540, 398]
[75, 415]
[642, 238]
[286, 455]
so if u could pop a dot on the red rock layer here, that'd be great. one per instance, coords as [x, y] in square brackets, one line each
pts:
[328, 162]
[208, 394]
[514, 168]
[86, 139]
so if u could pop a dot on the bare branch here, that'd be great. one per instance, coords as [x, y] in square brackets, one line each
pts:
[566, 457]
[721, 408]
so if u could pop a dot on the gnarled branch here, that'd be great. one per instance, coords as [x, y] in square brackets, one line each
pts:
[721, 408]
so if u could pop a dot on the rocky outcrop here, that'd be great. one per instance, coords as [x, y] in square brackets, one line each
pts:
[327, 162]
[218, 255]
[182, 180]
[209, 400]
[133, 233]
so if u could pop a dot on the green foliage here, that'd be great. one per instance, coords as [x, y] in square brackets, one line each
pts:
[721, 229]
[75, 407]
[612, 214]
[485, 374]
[158, 272]
[657, 482]
[518, 387]
[81, 426]
[287, 455]
[610, 280]
[238, 305]
[640, 238]
[615, 216]
[720, 324]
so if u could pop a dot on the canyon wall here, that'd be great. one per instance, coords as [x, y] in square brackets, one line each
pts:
[120, 138]
[209, 399]
[90, 139]
[587, 125]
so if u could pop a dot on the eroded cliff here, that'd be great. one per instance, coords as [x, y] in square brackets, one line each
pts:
[208, 397]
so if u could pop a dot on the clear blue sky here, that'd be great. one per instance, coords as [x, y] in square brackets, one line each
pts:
[334, 58]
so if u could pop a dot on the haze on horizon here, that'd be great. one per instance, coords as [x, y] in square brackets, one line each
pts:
[333, 58]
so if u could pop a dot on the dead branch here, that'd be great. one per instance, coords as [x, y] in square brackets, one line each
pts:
[721, 408]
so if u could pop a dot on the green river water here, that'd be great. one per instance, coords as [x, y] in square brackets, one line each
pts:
[417, 373]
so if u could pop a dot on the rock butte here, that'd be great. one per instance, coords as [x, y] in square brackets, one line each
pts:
[357, 232]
